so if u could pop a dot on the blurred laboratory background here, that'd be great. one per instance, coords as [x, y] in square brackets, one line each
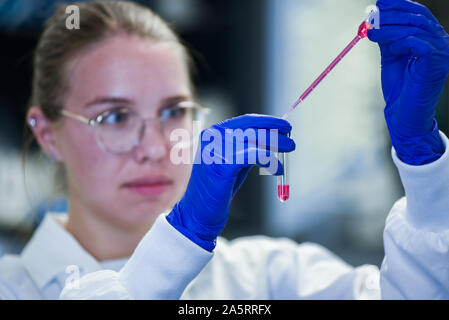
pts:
[252, 56]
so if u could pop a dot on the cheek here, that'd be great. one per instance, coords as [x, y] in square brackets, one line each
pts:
[88, 167]
[181, 174]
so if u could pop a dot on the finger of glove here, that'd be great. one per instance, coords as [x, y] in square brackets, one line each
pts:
[241, 177]
[400, 18]
[231, 150]
[238, 154]
[268, 139]
[389, 34]
[429, 73]
[411, 46]
[254, 156]
[275, 142]
[257, 121]
[406, 6]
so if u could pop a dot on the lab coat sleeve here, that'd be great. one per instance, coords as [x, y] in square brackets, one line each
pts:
[264, 268]
[5, 292]
[416, 236]
[161, 267]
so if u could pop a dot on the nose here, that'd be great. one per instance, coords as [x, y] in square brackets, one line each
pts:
[152, 146]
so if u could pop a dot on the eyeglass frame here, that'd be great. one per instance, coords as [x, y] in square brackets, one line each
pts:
[95, 122]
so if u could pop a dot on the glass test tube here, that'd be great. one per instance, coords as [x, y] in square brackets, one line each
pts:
[283, 184]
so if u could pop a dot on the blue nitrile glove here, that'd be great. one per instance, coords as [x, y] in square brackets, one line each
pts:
[220, 167]
[415, 64]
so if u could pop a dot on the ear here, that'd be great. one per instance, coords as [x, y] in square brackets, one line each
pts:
[43, 132]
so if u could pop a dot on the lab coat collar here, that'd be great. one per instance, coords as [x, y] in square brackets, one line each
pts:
[52, 249]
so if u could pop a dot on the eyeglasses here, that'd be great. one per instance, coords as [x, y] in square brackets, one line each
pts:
[119, 130]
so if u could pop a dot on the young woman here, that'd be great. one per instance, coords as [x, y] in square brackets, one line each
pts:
[106, 99]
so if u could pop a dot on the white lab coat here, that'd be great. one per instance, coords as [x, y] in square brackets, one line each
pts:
[166, 265]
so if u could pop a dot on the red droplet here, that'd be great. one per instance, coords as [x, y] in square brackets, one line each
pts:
[363, 29]
[283, 192]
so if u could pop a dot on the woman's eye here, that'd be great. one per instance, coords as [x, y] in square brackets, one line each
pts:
[172, 113]
[115, 117]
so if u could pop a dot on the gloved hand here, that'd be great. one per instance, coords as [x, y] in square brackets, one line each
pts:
[221, 166]
[415, 63]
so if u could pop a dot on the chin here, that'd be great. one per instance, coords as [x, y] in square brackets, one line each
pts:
[136, 219]
[137, 208]
[148, 210]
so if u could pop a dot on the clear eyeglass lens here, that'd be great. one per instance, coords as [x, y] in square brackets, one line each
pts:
[177, 117]
[120, 130]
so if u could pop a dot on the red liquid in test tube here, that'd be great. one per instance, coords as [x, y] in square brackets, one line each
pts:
[283, 186]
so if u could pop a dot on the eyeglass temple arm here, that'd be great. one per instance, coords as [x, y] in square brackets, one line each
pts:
[201, 108]
[204, 109]
[76, 117]
[193, 105]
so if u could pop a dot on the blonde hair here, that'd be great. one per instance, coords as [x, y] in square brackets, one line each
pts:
[58, 46]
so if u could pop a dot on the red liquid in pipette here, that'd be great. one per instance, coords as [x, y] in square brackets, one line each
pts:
[362, 33]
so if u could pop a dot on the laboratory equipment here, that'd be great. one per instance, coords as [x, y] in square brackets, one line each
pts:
[283, 184]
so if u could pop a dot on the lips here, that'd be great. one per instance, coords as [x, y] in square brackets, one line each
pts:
[149, 186]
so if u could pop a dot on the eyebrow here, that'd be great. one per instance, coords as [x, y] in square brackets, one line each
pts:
[108, 100]
[171, 100]
[121, 100]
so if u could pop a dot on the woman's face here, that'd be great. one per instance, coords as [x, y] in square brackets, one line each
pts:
[141, 75]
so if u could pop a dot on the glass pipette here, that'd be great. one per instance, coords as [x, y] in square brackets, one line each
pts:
[363, 33]
[283, 185]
